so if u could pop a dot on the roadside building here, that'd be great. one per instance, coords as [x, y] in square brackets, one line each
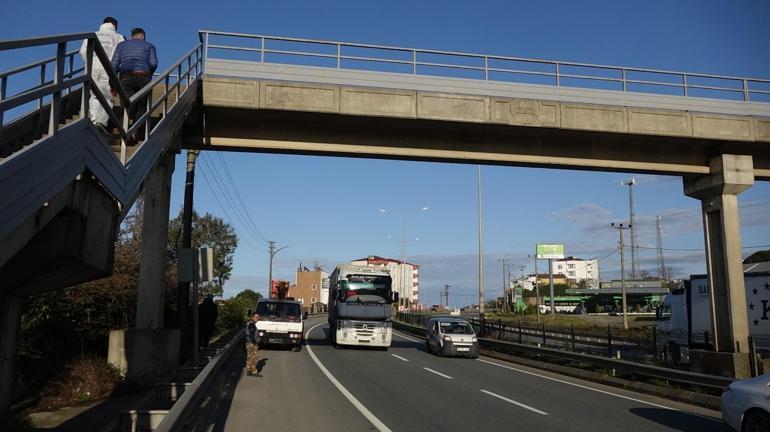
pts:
[406, 276]
[311, 289]
[641, 295]
[577, 270]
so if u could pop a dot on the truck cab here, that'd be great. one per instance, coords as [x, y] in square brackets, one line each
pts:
[280, 323]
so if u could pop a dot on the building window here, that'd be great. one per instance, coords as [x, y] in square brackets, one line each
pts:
[559, 267]
[312, 300]
[571, 273]
[571, 266]
[313, 287]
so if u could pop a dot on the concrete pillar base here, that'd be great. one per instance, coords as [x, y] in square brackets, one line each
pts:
[734, 365]
[144, 357]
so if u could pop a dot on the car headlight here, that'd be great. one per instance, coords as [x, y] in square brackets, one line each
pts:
[474, 339]
[447, 339]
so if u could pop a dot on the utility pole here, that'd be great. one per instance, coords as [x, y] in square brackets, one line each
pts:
[659, 241]
[481, 250]
[446, 295]
[271, 251]
[183, 288]
[504, 261]
[632, 225]
[537, 289]
[620, 229]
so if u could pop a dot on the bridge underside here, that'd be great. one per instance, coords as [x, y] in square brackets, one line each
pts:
[293, 132]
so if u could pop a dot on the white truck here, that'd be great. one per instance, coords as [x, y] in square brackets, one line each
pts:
[684, 316]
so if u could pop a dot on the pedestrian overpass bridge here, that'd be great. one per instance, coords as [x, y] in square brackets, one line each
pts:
[65, 187]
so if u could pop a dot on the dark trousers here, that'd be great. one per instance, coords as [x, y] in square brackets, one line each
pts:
[133, 84]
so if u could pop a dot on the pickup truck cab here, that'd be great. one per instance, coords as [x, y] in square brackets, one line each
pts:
[451, 337]
[280, 323]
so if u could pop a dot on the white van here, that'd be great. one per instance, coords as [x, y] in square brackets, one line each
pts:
[280, 323]
[451, 337]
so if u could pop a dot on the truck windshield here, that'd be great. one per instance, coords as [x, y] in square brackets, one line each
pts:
[278, 311]
[365, 289]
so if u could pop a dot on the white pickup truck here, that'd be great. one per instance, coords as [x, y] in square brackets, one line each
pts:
[280, 323]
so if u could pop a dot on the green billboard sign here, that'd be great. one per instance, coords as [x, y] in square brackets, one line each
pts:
[550, 251]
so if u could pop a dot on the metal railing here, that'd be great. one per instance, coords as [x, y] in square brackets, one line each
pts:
[175, 81]
[711, 382]
[487, 67]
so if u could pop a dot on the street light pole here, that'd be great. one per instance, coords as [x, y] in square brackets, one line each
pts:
[481, 249]
[404, 287]
[620, 229]
[272, 251]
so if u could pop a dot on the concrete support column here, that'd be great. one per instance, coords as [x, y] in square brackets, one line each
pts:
[730, 175]
[157, 197]
[10, 315]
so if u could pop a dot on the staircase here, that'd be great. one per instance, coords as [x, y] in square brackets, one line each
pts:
[65, 185]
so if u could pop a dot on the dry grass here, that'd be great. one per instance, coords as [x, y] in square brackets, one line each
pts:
[83, 379]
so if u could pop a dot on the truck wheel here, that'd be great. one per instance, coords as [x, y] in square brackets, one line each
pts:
[297, 348]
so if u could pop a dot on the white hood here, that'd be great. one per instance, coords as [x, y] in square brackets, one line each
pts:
[107, 27]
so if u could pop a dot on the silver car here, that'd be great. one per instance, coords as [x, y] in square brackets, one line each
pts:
[746, 404]
[451, 337]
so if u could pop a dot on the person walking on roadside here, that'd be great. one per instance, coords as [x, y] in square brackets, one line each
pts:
[135, 61]
[252, 346]
[207, 320]
[109, 38]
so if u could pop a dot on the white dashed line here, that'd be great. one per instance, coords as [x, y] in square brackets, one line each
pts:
[361, 408]
[518, 404]
[438, 373]
[399, 357]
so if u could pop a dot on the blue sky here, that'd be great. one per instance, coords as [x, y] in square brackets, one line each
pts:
[304, 201]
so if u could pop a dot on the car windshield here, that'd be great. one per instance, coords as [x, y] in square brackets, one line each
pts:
[456, 328]
[365, 289]
[278, 311]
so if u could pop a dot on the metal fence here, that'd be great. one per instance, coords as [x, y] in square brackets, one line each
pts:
[423, 62]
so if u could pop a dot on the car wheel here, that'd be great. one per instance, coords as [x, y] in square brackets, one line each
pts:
[756, 421]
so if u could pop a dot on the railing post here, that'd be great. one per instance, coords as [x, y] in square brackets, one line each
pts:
[339, 55]
[558, 78]
[609, 341]
[572, 335]
[623, 77]
[746, 90]
[544, 343]
[414, 62]
[3, 90]
[521, 340]
[261, 49]
[178, 81]
[205, 48]
[684, 83]
[42, 81]
[486, 68]
[500, 329]
[87, 66]
[53, 124]
[189, 68]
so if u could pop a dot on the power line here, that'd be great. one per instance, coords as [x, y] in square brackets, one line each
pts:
[240, 199]
[224, 209]
[229, 199]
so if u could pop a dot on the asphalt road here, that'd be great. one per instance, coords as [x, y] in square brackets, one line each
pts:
[406, 389]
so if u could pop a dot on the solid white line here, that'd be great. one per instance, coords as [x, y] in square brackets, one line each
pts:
[519, 404]
[579, 385]
[438, 373]
[399, 357]
[399, 334]
[359, 406]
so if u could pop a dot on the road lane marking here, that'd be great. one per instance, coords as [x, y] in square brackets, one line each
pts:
[518, 404]
[399, 357]
[438, 373]
[406, 337]
[356, 403]
[581, 386]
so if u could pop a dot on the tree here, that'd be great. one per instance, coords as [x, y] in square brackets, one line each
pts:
[207, 231]
[757, 257]
[234, 311]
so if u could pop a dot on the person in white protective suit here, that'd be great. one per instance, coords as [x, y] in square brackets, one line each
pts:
[109, 38]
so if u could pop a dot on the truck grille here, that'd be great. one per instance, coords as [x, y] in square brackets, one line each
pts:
[365, 329]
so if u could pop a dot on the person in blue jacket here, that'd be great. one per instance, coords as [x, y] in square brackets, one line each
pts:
[135, 60]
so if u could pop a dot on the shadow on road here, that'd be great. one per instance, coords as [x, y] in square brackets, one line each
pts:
[681, 421]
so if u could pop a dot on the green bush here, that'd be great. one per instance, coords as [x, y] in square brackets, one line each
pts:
[233, 312]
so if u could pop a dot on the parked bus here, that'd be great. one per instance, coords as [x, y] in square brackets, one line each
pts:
[360, 306]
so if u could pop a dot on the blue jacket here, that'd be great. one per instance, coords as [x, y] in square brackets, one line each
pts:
[135, 55]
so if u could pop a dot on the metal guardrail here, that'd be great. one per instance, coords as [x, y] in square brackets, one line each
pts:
[181, 411]
[425, 62]
[712, 382]
[183, 73]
